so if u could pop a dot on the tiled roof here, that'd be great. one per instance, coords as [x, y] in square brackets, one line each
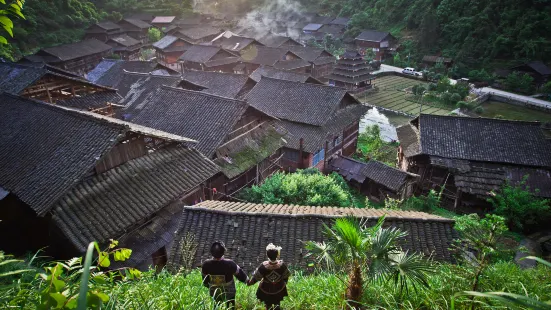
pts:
[271, 40]
[107, 205]
[217, 83]
[307, 52]
[125, 40]
[76, 50]
[372, 35]
[332, 29]
[264, 55]
[110, 72]
[297, 102]
[107, 25]
[201, 53]
[537, 66]
[138, 23]
[138, 88]
[325, 60]
[482, 139]
[340, 21]
[198, 33]
[163, 19]
[234, 43]
[91, 101]
[14, 78]
[312, 27]
[141, 16]
[165, 42]
[408, 135]
[41, 161]
[291, 64]
[206, 118]
[265, 71]
[322, 19]
[376, 171]
[315, 136]
[247, 228]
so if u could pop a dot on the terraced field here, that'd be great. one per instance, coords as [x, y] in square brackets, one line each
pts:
[391, 95]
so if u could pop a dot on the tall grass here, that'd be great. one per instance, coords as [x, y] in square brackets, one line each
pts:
[325, 290]
[316, 291]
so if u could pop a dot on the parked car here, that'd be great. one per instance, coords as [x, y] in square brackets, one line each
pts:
[411, 71]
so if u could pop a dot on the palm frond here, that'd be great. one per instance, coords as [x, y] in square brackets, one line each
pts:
[321, 253]
[409, 270]
[539, 260]
[385, 241]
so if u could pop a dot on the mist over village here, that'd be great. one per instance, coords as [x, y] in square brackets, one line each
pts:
[275, 154]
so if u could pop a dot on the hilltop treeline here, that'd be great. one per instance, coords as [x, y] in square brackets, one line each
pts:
[474, 33]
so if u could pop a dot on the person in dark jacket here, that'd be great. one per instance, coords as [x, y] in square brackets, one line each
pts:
[273, 275]
[218, 274]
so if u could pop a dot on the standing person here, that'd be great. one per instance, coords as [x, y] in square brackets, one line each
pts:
[218, 274]
[273, 275]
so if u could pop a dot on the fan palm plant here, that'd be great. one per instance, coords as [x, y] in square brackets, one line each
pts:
[374, 252]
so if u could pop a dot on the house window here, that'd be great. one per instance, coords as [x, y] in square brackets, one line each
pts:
[318, 156]
[291, 155]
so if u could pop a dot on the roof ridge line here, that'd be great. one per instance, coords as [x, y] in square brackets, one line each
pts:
[431, 218]
[309, 84]
[201, 93]
[483, 118]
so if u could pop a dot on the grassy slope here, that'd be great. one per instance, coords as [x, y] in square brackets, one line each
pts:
[325, 291]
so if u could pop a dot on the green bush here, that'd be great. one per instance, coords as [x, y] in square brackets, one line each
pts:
[455, 98]
[520, 207]
[479, 110]
[463, 105]
[305, 187]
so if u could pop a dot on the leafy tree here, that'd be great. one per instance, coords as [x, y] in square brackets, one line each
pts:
[418, 89]
[479, 242]
[305, 187]
[519, 82]
[480, 76]
[546, 88]
[8, 10]
[519, 206]
[371, 252]
[154, 34]
[371, 146]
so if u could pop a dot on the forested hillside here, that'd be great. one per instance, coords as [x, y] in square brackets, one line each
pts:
[473, 32]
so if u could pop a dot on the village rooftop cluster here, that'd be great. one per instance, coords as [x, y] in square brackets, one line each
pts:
[146, 151]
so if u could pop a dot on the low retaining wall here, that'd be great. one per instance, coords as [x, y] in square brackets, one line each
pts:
[515, 101]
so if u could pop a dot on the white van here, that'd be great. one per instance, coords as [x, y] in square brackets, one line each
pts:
[411, 71]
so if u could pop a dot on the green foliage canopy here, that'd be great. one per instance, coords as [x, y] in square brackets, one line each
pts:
[305, 187]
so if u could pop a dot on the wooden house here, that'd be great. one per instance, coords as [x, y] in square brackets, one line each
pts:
[322, 62]
[236, 44]
[321, 120]
[381, 43]
[267, 56]
[270, 72]
[145, 17]
[374, 179]
[136, 28]
[335, 31]
[103, 31]
[110, 72]
[343, 21]
[99, 182]
[247, 228]
[162, 21]
[243, 141]
[52, 85]
[169, 49]
[295, 65]
[536, 69]
[276, 41]
[352, 72]
[471, 157]
[79, 57]
[228, 85]
[208, 58]
[126, 47]
[196, 35]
